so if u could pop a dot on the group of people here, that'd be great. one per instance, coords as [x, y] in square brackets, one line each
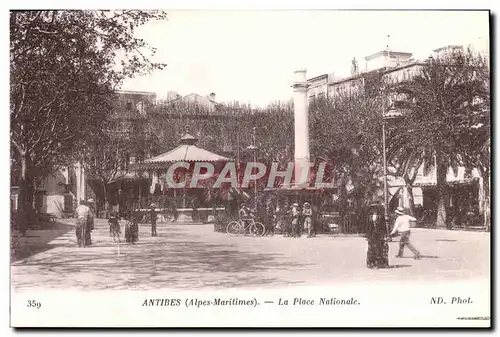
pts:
[377, 235]
[85, 224]
[297, 221]
[291, 221]
[131, 225]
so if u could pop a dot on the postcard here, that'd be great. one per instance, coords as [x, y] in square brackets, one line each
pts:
[250, 168]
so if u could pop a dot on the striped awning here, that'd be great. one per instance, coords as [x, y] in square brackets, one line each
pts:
[130, 176]
[467, 181]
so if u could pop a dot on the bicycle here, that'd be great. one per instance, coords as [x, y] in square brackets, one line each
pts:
[255, 228]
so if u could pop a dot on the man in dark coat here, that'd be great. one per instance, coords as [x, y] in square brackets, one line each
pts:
[154, 217]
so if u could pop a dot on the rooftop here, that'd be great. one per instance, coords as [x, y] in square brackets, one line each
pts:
[449, 47]
[384, 70]
[133, 92]
[386, 53]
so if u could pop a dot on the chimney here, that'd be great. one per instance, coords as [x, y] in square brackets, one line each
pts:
[354, 67]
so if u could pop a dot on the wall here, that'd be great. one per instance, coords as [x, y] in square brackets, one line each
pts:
[430, 179]
[386, 60]
[317, 87]
[135, 101]
[196, 99]
[53, 189]
[64, 183]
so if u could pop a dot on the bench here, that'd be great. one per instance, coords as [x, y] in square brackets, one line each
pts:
[47, 217]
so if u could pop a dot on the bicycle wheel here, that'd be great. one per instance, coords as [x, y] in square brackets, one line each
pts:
[233, 228]
[257, 229]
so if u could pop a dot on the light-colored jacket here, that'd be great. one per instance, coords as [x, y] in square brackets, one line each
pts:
[402, 223]
[82, 212]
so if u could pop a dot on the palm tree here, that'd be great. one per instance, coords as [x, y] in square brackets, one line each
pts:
[439, 131]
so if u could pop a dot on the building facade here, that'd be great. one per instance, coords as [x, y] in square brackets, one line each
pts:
[61, 191]
[396, 67]
[58, 193]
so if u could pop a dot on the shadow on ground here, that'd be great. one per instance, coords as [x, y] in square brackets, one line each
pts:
[173, 262]
[398, 266]
[37, 241]
[421, 256]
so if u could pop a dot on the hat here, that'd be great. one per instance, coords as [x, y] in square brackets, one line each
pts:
[307, 204]
[152, 205]
[295, 204]
[242, 205]
[90, 200]
[400, 210]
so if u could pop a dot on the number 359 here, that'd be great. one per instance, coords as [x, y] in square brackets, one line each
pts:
[34, 304]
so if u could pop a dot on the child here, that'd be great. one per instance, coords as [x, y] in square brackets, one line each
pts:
[114, 227]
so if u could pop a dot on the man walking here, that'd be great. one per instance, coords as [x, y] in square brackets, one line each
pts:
[402, 226]
[154, 216]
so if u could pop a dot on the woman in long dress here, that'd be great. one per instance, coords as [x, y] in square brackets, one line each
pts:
[377, 255]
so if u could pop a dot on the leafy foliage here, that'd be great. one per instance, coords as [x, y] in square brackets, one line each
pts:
[63, 72]
[346, 131]
[450, 119]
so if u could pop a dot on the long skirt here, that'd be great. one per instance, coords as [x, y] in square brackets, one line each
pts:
[377, 255]
[131, 233]
[82, 233]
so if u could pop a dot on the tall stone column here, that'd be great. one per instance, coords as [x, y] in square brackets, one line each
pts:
[78, 182]
[83, 183]
[301, 118]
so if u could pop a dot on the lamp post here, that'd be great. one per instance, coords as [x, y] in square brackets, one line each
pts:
[254, 148]
[386, 212]
[390, 115]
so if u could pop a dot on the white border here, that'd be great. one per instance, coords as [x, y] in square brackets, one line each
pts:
[261, 4]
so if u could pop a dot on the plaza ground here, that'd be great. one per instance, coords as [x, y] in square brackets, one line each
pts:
[191, 256]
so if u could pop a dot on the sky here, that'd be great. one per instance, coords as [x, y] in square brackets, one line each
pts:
[250, 56]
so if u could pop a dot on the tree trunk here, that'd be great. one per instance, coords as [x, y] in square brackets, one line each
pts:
[485, 175]
[105, 198]
[411, 200]
[441, 171]
[487, 210]
[342, 202]
[25, 209]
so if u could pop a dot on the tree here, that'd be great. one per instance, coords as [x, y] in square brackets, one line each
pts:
[103, 160]
[63, 72]
[227, 130]
[448, 119]
[346, 131]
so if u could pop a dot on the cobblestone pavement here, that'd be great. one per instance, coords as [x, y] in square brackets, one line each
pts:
[195, 257]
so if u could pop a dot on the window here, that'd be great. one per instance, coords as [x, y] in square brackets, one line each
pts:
[140, 107]
[468, 173]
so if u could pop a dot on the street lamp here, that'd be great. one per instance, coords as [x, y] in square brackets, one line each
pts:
[254, 148]
[391, 115]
